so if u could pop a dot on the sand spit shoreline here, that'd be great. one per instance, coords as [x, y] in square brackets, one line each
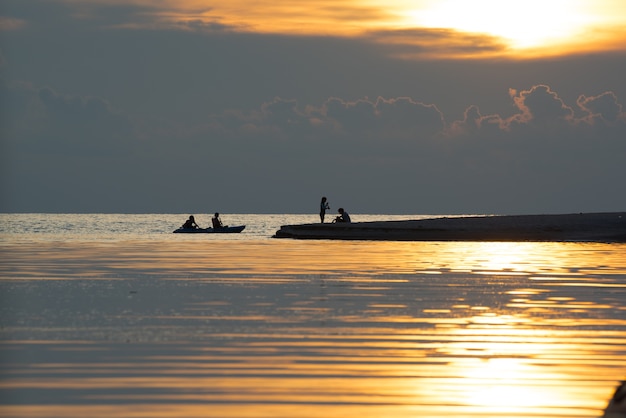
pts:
[583, 227]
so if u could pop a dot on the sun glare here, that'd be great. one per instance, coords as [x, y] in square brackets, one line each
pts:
[528, 24]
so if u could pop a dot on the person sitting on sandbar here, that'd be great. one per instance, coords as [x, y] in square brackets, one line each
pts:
[343, 216]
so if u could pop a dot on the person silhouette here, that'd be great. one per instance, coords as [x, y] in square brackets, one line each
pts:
[190, 223]
[217, 222]
[343, 216]
[323, 206]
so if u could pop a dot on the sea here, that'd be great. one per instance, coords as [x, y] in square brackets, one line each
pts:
[113, 315]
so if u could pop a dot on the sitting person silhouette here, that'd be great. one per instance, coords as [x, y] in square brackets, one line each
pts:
[343, 216]
[217, 222]
[190, 223]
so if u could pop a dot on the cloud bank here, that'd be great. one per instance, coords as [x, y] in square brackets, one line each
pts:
[396, 155]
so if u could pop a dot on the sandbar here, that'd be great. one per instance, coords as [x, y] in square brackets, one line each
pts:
[583, 227]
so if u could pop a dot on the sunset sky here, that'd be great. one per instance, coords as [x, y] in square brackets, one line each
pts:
[406, 106]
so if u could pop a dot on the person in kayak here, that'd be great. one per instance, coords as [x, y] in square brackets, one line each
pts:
[217, 222]
[190, 223]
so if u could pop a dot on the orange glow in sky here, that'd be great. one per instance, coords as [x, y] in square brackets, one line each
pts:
[532, 27]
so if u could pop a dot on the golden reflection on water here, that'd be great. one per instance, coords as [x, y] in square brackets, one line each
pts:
[311, 329]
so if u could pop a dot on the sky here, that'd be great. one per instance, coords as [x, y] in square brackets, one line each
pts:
[398, 107]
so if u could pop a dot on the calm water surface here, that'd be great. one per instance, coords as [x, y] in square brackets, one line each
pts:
[145, 323]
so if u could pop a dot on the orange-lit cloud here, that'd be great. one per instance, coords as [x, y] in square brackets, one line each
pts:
[442, 28]
[541, 107]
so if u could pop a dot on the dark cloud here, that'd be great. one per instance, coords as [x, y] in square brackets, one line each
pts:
[538, 108]
[71, 112]
[362, 120]
[357, 117]
[37, 14]
[541, 110]
[412, 117]
[354, 149]
[540, 104]
[472, 121]
[281, 112]
[44, 121]
[203, 25]
[399, 149]
[604, 106]
[437, 43]
[350, 12]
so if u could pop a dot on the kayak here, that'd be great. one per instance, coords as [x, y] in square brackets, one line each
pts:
[223, 230]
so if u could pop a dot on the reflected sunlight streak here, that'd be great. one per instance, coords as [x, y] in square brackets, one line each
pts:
[503, 382]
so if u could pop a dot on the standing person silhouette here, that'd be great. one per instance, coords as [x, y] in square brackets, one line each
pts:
[323, 207]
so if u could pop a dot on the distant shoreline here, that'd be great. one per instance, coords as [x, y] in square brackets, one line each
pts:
[583, 227]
